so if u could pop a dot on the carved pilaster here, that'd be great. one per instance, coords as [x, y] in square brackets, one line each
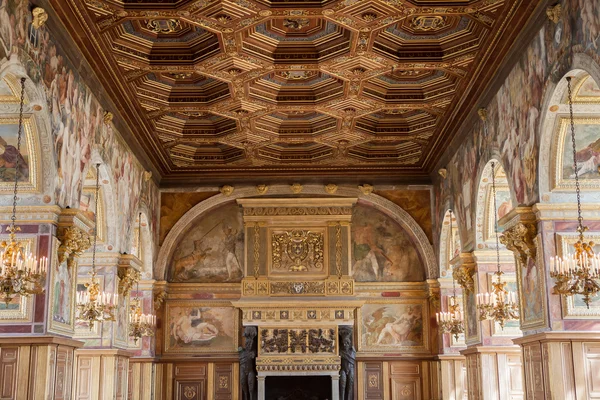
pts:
[128, 272]
[74, 233]
[520, 231]
[464, 267]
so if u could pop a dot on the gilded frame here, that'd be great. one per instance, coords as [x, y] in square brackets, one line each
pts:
[89, 190]
[489, 220]
[578, 99]
[570, 308]
[365, 348]
[56, 326]
[33, 150]
[24, 311]
[200, 304]
[557, 180]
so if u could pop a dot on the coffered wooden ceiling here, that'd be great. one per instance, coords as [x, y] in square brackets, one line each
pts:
[240, 88]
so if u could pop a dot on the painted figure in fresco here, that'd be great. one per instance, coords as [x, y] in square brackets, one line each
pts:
[191, 328]
[366, 252]
[230, 243]
[401, 328]
[8, 160]
[61, 303]
[348, 356]
[184, 267]
[588, 159]
[247, 367]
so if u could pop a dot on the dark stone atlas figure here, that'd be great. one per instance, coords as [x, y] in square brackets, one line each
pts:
[247, 364]
[348, 355]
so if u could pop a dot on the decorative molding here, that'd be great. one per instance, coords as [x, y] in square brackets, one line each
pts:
[159, 299]
[366, 189]
[262, 189]
[226, 190]
[296, 188]
[331, 188]
[332, 286]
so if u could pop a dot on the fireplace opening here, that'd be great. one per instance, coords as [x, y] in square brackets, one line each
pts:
[310, 387]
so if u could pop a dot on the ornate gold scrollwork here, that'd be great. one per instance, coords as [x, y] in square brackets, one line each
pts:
[128, 277]
[40, 16]
[226, 190]
[366, 189]
[159, 299]
[73, 242]
[302, 247]
[520, 239]
[463, 274]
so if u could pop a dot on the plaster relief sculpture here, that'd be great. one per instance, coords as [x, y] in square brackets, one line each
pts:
[247, 364]
[348, 356]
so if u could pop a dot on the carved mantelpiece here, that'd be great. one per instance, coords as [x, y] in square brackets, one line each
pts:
[74, 231]
[332, 286]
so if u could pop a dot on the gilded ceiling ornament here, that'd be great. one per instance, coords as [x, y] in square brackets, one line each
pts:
[262, 189]
[369, 16]
[182, 75]
[366, 189]
[296, 23]
[554, 13]
[147, 175]
[223, 18]
[163, 25]
[226, 190]
[443, 172]
[40, 16]
[296, 188]
[331, 188]
[108, 117]
[296, 75]
[428, 23]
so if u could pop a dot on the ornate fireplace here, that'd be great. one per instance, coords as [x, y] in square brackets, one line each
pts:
[298, 293]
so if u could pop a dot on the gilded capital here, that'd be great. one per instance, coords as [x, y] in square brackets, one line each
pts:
[464, 270]
[128, 277]
[73, 242]
[159, 299]
[520, 231]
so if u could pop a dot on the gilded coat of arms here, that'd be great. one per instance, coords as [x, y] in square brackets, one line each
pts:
[298, 251]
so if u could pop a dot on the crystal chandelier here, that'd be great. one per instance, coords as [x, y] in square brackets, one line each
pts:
[94, 305]
[578, 272]
[451, 321]
[500, 305]
[140, 324]
[21, 273]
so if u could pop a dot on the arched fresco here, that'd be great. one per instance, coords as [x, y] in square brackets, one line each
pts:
[382, 251]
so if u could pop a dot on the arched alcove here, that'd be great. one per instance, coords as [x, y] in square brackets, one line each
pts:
[141, 243]
[485, 215]
[450, 245]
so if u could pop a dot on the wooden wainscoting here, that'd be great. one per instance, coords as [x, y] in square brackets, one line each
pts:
[37, 367]
[399, 380]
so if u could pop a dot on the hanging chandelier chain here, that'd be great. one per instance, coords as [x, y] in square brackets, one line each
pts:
[495, 215]
[96, 198]
[580, 227]
[19, 134]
